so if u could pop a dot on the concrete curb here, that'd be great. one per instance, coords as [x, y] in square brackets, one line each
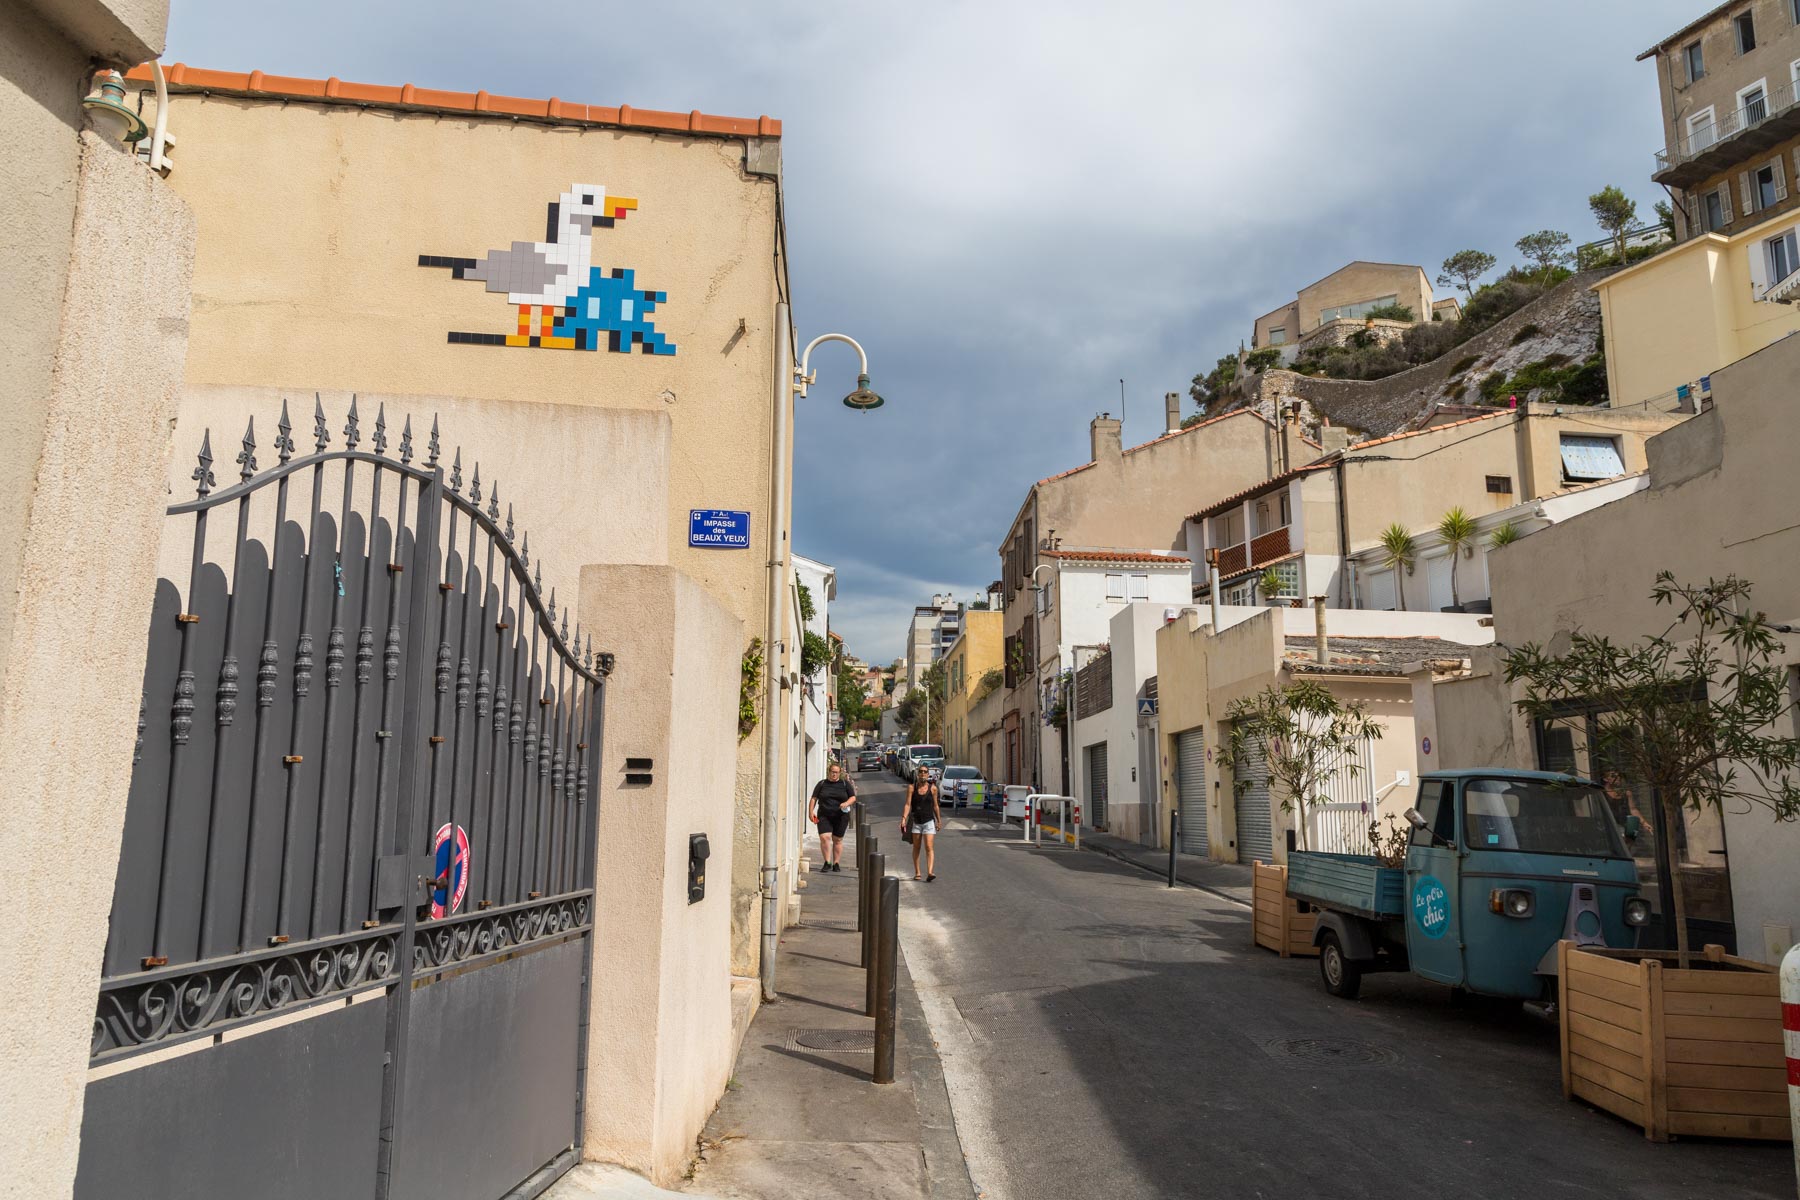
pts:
[1163, 873]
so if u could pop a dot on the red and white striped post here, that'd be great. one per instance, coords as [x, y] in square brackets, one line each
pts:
[1790, 1038]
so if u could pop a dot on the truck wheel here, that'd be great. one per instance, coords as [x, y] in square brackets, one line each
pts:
[1342, 977]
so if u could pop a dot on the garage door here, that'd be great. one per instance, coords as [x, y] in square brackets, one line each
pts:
[1190, 781]
[1255, 835]
[1096, 786]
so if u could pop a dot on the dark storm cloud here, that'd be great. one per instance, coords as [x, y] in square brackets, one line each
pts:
[1015, 205]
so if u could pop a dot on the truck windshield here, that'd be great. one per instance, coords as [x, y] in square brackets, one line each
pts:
[1539, 817]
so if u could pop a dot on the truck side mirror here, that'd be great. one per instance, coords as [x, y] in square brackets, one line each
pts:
[1634, 825]
[1414, 818]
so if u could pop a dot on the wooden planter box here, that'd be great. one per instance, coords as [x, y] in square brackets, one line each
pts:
[1679, 1052]
[1281, 923]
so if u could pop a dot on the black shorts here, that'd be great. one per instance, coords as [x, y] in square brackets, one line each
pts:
[833, 820]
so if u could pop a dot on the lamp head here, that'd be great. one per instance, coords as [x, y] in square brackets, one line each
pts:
[862, 399]
[106, 104]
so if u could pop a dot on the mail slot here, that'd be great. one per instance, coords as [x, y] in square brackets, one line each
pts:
[698, 852]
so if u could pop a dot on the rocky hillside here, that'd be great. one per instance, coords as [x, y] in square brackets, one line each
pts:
[1543, 343]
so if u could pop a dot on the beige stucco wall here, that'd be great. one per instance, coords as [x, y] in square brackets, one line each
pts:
[1361, 281]
[660, 1046]
[42, 78]
[77, 606]
[1686, 313]
[1721, 500]
[308, 278]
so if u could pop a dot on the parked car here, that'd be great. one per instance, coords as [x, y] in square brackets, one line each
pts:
[868, 760]
[956, 786]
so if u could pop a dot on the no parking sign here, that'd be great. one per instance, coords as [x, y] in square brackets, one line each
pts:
[456, 876]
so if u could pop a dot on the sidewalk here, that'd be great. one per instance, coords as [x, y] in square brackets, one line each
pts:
[801, 1119]
[1233, 881]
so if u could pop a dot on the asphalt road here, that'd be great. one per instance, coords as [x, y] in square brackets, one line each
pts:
[1104, 1036]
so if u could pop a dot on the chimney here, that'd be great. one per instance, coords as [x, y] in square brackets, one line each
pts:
[1172, 412]
[1333, 437]
[1293, 451]
[1320, 648]
[1104, 438]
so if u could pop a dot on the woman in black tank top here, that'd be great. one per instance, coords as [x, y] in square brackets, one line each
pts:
[922, 815]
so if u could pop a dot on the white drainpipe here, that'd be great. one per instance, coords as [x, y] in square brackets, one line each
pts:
[771, 807]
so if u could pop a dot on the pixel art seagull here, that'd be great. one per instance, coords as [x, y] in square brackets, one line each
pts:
[575, 301]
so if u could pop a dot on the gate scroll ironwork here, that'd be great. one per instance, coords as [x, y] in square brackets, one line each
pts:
[282, 832]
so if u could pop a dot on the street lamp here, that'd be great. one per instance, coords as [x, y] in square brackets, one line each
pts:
[791, 380]
[862, 399]
[1037, 665]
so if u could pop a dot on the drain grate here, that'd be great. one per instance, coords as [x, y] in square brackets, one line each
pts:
[1331, 1052]
[837, 1041]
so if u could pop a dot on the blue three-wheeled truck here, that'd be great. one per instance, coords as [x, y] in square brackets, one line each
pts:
[1501, 866]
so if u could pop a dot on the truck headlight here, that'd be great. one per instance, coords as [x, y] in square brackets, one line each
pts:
[1512, 902]
[1637, 911]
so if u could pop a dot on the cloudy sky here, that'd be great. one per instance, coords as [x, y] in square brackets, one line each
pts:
[1015, 205]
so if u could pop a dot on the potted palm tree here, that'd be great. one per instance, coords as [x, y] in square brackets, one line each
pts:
[1268, 586]
[1457, 529]
[1397, 552]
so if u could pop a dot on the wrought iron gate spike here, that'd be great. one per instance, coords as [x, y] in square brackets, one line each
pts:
[524, 549]
[494, 503]
[565, 627]
[203, 475]
[475, 487]
[431, 459]
[379, 441]
[455, 470]
[537, 578]
[553, 608]
[246, 458]
[284, 444]
[321, 435]
[352, 434]
[509, 523]
[406, 450]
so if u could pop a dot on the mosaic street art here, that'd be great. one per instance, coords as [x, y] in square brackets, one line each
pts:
[564, 301]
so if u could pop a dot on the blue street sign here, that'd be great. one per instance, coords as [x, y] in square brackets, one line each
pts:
[719, 529]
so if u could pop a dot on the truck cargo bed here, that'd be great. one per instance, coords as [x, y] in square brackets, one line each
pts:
[1353, 883]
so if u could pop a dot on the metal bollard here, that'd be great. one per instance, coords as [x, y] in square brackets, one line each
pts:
[1790, 1037]
[867, 895]
[1174, 832]
[872, 936]
[887, 955]
[862, 839]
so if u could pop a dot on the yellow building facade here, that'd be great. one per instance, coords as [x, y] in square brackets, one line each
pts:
[1672, 320]
[971, 656]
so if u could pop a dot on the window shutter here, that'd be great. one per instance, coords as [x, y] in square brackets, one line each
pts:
[1725, 201]
[1775, 165]
[1745, 194]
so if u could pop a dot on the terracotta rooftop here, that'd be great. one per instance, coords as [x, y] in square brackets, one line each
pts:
[183, 78]
[1366, 655]
[1146, 557]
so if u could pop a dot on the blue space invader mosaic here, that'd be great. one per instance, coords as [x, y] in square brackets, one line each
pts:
[610, 307]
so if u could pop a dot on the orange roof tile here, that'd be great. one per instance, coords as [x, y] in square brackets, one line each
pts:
[183, 78]
[1127, 556]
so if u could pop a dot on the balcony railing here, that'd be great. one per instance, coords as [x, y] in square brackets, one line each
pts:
[1259, 551]
[1777, 101]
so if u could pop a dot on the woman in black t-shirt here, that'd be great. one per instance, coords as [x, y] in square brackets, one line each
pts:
[922, 815]
[832, 797]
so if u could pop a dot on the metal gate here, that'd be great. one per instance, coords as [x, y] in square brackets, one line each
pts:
[1190, 781]
[1255, 829]
[1096, 785]
[350, 938]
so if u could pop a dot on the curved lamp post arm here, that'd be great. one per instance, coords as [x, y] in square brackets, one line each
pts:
[804, 377]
